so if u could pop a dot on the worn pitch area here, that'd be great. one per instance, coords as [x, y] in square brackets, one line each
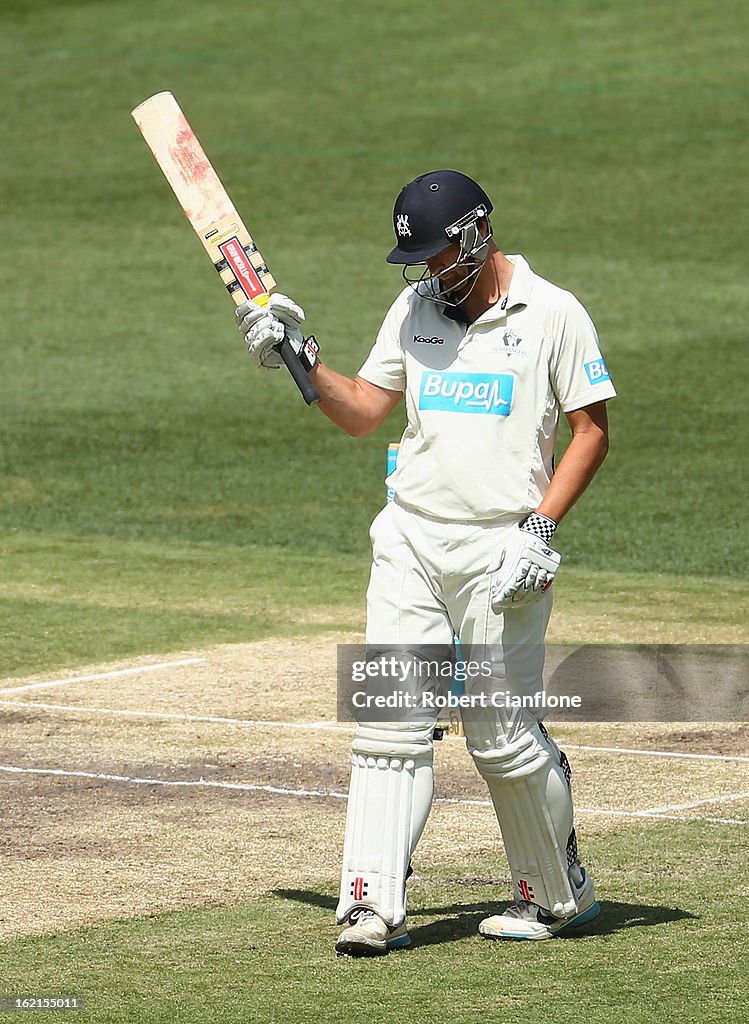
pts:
[217, 775]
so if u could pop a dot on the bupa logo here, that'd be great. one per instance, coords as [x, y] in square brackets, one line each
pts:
[467, 392]
[597, 371]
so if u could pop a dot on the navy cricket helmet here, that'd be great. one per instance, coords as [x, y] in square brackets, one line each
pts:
[431, 212]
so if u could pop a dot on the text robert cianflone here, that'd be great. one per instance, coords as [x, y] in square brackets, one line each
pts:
[427, 700]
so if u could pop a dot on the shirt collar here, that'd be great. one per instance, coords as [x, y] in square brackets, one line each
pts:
[519, 292]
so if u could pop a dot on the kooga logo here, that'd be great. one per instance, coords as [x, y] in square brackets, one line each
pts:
[467, 392]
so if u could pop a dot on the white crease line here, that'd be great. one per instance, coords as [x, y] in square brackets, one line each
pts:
[728, 798]
[327, 726]
[612, 812]
[104, 675]
[177, 716]
[334, 794]
[657, 815]
[184, 783]
[656, 753]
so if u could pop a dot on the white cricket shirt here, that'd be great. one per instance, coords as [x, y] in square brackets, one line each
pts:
[483, 401]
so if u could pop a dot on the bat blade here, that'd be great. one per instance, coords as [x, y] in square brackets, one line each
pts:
[213, 216]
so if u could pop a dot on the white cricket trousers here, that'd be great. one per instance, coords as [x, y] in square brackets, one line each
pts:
[428, 583]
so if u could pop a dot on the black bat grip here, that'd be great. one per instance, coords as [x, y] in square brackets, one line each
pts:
[310, 394]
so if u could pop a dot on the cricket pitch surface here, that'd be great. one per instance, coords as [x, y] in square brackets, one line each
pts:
[211, 777]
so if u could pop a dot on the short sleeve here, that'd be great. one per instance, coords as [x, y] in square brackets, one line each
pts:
[579, 375]
[385, 365]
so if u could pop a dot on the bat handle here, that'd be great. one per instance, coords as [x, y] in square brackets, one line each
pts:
[310, 394]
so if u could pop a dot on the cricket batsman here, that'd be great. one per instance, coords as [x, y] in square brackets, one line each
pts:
[486, 355]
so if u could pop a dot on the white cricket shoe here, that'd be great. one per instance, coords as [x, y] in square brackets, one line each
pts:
[368, 935]
[529, 921]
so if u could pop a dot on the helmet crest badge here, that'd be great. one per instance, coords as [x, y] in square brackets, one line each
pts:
[402, 226]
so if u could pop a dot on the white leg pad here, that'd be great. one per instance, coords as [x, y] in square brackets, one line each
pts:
[533, 803]
[390, 795]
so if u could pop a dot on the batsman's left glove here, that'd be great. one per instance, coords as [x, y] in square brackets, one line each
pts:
[526, 566]
[264, 328]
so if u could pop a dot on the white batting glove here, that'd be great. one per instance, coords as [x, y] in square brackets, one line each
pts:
[264, 328]
[526, 567]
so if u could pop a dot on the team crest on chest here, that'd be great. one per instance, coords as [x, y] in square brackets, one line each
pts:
[510, 343]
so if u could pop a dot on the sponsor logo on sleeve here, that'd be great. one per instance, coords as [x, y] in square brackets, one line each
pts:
[597, 371]
[484, 393]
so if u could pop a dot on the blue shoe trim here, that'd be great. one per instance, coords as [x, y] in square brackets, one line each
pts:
[576, 922]
[587, 915]
[400, 942]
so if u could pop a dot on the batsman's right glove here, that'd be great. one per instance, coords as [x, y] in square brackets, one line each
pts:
[264, 328]
[526, 566]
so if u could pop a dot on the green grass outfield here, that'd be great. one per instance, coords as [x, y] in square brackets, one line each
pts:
[157, 493]
[609, 138]
[661, 951]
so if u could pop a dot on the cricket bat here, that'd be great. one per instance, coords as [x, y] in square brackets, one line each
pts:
[212, 214]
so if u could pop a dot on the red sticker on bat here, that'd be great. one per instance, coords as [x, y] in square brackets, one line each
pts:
[243, 270]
